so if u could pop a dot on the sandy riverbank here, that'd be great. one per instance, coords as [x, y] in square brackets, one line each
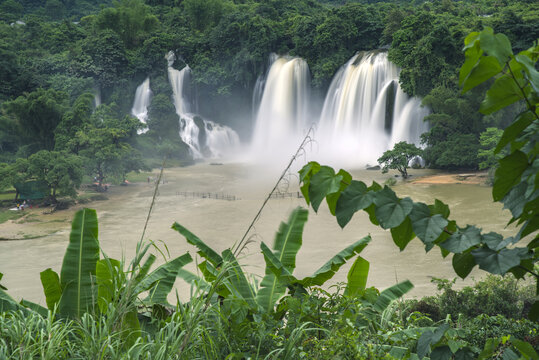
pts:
[469, 178]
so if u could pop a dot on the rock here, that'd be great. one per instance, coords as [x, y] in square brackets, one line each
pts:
[377, 167]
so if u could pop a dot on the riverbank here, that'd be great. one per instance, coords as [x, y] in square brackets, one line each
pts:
[468, 178]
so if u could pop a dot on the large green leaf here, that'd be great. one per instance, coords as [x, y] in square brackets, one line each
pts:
[403, 234]
[193, 280]
[43, 311]
[463, 263]
[7, 303]
[515, 129]
[332, 199]
[204, 250]
[499, 262]
[145, 268]
[391, 294]
[329, 269]
[275, 265]
[51, 287]
[305, 175]
[323, 183]
[427, 227]
[390, 210]
[357, 277]
[160, 281]
[508, 174]
[463, 239]
[430, 338]
[487, 67]
[107, 272]
[287, 244]
[503, 93]
[354, 198]
[79, 265]
[497, 45]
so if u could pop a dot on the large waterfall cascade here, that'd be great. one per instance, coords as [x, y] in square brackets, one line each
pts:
[219, 141]
[365, 111]
[143, 98]
[281, 118]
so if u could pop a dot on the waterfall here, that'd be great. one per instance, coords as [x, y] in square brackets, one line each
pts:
[217, 140]
[97, 97]
[143, 97]
[365, 112]
[281, 119]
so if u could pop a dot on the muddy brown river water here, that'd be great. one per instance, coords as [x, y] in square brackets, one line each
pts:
[221, 222]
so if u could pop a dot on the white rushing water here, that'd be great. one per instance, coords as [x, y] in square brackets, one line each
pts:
[281, 120]
[218, 140]
[97, 97]
[365, 111]
[143, 97]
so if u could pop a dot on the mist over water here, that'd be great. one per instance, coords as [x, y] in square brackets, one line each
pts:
[365, 112]
[143, 98]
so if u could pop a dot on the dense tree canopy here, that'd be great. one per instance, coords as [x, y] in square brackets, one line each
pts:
[54, 54]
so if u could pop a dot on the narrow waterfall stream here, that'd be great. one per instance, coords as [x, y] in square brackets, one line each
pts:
[220, 140]
[143, 98]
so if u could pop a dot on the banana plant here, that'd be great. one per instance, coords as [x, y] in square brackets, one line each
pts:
[224, 275]
[84, 277]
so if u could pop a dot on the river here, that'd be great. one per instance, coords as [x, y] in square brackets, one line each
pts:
[222, 222]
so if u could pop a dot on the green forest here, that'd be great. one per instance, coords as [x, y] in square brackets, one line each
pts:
[69, 70]
[56, 56]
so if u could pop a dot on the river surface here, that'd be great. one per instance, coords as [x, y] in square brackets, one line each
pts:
[220, 223]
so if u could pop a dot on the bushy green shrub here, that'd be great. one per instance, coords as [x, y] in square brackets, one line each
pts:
[494, 295]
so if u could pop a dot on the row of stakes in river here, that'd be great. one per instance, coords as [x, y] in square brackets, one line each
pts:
[220, 196]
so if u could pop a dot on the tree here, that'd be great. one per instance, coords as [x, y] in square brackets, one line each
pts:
[14, 173]
[61, 171]
[37, 115]
[489, 139]
[163, 121]
[399, 158]
[73, 120]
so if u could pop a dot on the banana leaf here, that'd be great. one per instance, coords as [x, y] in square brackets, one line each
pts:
[329, 269]
[107, 273]
[161, 280]
[287, 244]
[357, 277]
[7, 303]
[79, 265]
[203, 250]
[35, 307]
[391, 294]
[51, 287]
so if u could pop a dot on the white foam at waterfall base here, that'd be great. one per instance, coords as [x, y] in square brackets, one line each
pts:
[220, 141]
[143, 97]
